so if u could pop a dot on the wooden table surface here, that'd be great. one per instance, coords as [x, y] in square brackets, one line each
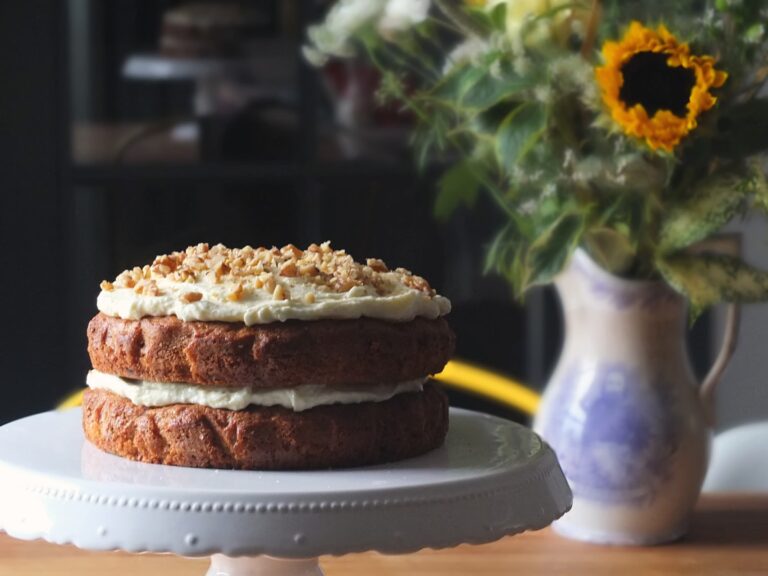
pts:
[729, 536]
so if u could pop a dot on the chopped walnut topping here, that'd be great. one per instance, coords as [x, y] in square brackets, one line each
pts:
[415, 282]
[309, 270]
[322, 266]
[280, 293]
[376, 265]
[148, 288]
[107, 286]
[167, 262]
[221, 269]
[343, 284]
[291, 250]
[237, 293]
[289, 270]
[190, 297]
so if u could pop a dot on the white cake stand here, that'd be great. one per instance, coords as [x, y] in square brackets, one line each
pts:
[492, 478]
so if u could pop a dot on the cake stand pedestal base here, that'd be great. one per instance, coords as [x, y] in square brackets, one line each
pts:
[262, 566]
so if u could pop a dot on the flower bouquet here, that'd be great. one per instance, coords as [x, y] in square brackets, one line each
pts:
[617, 137]
[630, 129]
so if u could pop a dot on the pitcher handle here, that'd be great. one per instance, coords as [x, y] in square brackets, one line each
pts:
[728, 347]
[731, 244]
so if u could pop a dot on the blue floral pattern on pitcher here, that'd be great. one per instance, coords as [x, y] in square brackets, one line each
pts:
[612, 432]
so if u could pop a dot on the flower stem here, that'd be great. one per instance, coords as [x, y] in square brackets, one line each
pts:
[649, 234]
[594, 21]
[460, 18]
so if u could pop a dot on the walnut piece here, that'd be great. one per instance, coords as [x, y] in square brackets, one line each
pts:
[190, 297]
[280, 293]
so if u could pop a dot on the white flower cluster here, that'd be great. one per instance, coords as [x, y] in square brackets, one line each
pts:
[333, 38]
[470, 50]
[400, 15]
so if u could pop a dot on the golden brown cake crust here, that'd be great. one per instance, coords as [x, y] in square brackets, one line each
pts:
[278, 355]
[268, 438]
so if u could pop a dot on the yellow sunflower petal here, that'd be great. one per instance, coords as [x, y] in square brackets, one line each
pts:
[720, 79]
[665, 34]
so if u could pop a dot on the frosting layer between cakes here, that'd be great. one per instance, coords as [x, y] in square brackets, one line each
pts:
[153, 394]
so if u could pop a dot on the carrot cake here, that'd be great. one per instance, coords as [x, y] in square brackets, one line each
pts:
[267, 359]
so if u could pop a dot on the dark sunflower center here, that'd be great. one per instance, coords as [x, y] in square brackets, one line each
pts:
[652, 83]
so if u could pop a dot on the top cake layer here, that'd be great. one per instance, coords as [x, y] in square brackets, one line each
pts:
[261, 285]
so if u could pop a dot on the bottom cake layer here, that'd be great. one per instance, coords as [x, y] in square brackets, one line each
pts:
[268, 438]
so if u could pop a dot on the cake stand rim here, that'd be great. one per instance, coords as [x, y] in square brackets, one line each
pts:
[547, 498]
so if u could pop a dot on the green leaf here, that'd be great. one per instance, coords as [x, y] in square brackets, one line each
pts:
[625, 216]
[549, 253]
[614, 251]
[498, 17]
[488, 121]
[489, 90]
[713, 203]
[760, 185]
[519, 132]
[505, 256]
[459, 185]
[706, 279]
[493, 20]
[458, 82]
[474, 86]
[429, 139]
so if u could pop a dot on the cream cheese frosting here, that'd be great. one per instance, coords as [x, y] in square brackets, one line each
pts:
[259, 286]
[154, 394]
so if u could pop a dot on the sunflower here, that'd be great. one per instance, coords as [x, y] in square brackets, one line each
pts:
[654, 87]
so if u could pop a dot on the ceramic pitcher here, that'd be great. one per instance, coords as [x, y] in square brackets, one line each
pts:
[629, 422]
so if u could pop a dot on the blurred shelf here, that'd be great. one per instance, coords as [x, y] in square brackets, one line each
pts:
[135, 143]
[186, 173]
[273, 61]
[243, 173]
[173, 149]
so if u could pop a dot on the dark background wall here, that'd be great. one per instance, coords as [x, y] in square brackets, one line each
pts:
[65, 226]
[67, 223]
[33, 259]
